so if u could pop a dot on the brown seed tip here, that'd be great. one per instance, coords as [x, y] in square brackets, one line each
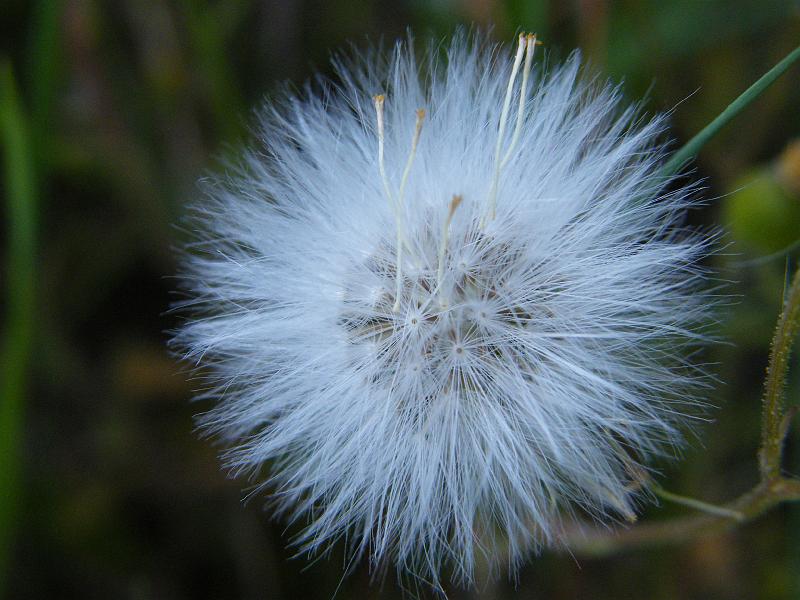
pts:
[455, 202]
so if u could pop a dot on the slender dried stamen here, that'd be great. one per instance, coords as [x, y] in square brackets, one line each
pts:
[502, 127]
[454, 204]
[400, 232]
[378, 101]
[526, 46]
[412, 154]
[530, 46]
[396, 202]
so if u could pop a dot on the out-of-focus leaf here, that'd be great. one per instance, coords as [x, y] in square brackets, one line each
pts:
[21, 217]
[763, 213]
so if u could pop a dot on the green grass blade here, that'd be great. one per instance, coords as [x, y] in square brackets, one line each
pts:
[21, 207]
[692, 147]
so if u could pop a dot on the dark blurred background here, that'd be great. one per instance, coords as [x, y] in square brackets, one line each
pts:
[111, 110]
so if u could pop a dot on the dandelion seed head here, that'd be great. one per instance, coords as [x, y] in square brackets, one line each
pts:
[443, 308]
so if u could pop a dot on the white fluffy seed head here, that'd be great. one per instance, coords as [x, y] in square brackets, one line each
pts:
[440, 334]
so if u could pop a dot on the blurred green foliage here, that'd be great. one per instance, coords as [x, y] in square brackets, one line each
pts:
[21, 209]
[125, 104]
[763, 211]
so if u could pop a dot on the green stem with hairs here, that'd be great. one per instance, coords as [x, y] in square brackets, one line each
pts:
[774, 424]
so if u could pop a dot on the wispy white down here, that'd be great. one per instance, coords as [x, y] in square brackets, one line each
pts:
[440, 339]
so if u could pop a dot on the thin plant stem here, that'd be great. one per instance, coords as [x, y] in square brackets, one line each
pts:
[699, 505]
[597, 542]
[692, 147]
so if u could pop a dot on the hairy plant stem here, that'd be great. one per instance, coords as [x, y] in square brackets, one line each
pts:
[772, 490]
[773, 426]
